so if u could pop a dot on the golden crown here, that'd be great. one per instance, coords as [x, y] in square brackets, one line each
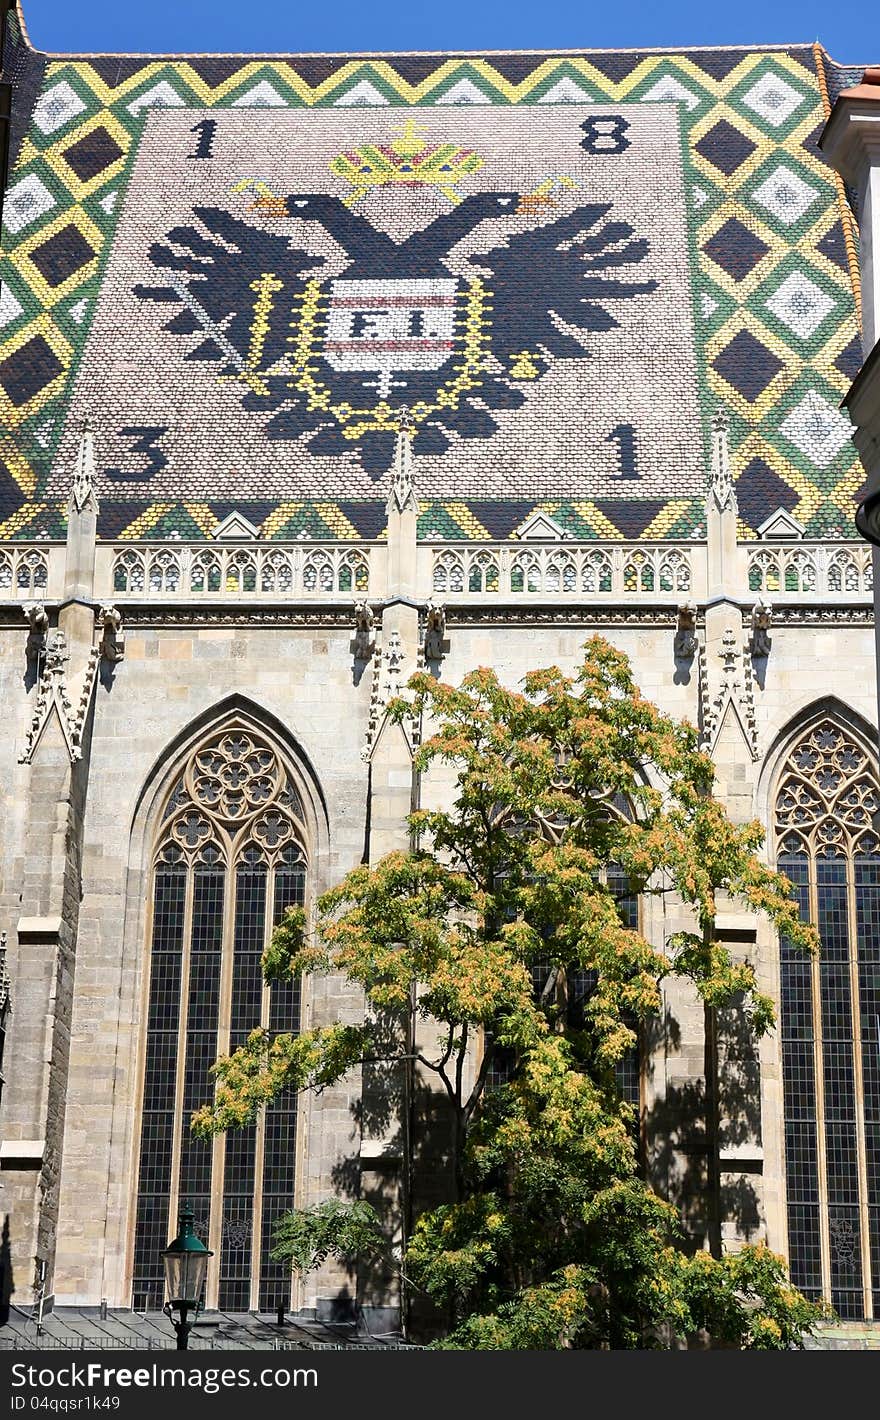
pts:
[407, 161]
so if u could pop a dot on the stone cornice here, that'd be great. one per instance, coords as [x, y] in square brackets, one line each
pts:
[339, 616]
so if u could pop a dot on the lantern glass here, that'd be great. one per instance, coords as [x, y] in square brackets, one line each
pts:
[185, 1274]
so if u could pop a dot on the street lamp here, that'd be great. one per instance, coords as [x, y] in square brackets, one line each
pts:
[186, 1267]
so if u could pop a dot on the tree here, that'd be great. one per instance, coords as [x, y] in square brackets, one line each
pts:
[547, 1224]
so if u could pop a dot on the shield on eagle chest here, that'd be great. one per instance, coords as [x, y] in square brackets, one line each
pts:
[390, 326]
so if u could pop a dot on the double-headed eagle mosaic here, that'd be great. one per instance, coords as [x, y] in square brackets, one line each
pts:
[334, 359]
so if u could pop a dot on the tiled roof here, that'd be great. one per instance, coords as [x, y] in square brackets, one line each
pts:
[240, 268]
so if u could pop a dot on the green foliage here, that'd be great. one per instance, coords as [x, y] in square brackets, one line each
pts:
[548, 1239]
[307, 1237]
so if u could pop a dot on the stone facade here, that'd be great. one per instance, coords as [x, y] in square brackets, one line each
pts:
[289, 600]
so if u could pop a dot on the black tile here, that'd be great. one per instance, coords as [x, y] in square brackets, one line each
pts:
[736, 249]
[11, 495]
[314, 71]
[92, 154]
[114, 69]
[28, 370]
[747, 365]
[717, 63]
[62, 255]
[514, 67]
[368, 517]
[215, 69]
[760, 491]
[615, 66]
[500, 516]
[725, 147]
[833, 246]
[630, 515]
[415, 68]
[849, 361]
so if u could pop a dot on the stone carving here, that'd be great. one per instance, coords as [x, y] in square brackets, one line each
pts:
[829, 797]
[82, 492]
[435, 642]
[722, 480]
[402, 495]
[37, 619]
[112, 642]
[53, 696]
[389, 681]
[57, 654]
[364, 624]
[685, 632]
[762, 615]
[734, 689]
[78, 723]
[4, 979]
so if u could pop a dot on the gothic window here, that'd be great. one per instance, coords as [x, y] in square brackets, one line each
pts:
[830, 1021]
[228, 861]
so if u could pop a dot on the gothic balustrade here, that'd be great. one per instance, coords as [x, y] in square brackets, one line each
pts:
[811, 569]
[448, 571]
[577, 570]
[271, 571]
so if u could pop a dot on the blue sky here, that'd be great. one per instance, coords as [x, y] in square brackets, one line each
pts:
[849, 32]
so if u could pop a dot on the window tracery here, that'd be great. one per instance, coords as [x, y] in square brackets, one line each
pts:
[229, 859]
[826, 802]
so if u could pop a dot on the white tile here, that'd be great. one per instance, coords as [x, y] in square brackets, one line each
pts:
[363, 95]
[262, 95]
[785, 195]
[800, 304]
[10, 308]
[25, 202]
[464, 92]
[772, 99]
[160, 96]
[670, 90]
[56, 107]
[566, 91]
[817, 428]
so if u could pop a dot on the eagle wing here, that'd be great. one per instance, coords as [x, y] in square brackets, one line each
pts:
[215, 281]
[561, 274]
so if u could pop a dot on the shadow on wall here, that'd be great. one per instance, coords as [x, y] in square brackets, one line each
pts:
[676, 1136]
[378, 1175]
[7, 1283]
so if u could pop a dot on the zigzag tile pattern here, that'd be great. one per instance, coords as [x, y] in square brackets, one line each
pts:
[774, 299]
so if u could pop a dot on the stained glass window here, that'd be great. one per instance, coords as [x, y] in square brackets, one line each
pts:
[829, 1022]
[229, 861]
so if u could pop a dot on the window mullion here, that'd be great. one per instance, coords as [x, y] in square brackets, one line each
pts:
[819, 1085]
[224, 1012]
[180, 1074]
[858, 1077]
[260, 1136]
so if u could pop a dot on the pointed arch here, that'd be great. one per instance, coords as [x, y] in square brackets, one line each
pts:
[225, 836]
[231, 710]
[821, 780]
[829, 707]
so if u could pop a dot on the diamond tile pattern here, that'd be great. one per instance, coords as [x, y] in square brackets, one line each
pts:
[736, 249]
[60, 256]
[92, 154]
[772, 99]
[800, 304]
[747, 365]
[785, 195]
[725, 147]
[772, 262]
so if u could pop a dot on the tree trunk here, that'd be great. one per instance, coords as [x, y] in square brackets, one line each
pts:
[713, 1142]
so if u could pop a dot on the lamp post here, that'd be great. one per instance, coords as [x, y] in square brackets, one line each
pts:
[186, 1266]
